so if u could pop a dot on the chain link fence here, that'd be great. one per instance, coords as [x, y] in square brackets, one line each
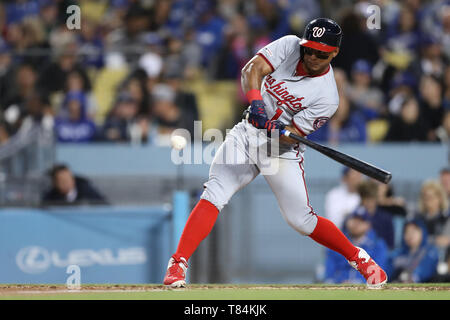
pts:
[24, 160]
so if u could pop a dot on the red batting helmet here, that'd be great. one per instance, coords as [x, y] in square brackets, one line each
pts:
[322, 34]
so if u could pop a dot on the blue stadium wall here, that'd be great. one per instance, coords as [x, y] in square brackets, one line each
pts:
[133, 244]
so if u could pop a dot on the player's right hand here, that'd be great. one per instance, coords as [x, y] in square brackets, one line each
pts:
[259, 120]
[257, 108]
[257, 114]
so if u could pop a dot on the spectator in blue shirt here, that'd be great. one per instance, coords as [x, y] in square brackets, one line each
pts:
[417, 258]
[275, 16]
[403, 35]
[366, 98]
[209, 29]
[91, 45]
[358, 229]
[75, 126]
[18, 10]
[121, 118]
[381, 220]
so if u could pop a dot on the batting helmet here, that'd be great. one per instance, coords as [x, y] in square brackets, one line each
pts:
[322, 34]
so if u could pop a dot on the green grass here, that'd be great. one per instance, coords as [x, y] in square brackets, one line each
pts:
[235, 292]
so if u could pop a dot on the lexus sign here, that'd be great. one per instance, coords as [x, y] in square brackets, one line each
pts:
[35, 259]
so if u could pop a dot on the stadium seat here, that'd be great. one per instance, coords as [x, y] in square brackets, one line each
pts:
[216, 102]
[104, 89]
[93, 10]
[377, 129]
[56, 100]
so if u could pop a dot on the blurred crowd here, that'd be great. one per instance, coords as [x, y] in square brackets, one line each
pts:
[410, 242]
[123, 75]
[393, 81]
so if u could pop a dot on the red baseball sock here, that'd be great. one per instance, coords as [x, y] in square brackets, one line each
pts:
[198, 226]
[328, 235]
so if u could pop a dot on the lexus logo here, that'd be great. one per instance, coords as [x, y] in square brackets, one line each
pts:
[318, 32]
[33, 259]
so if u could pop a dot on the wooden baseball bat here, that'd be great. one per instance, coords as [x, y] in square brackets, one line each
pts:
[359, 165]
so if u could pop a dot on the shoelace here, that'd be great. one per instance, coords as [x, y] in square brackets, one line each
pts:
[174, 267]
[360, 262]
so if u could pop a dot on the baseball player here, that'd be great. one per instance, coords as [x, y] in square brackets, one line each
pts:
[290, 86]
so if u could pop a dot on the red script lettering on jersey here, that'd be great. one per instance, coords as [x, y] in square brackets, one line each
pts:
[279, 92]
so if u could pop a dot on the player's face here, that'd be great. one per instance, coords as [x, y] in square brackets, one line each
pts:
[316, 61]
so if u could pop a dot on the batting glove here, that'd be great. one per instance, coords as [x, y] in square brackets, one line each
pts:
[257, 120]
[272, 125]
[257, 114]
[262, 122]
[257, 108]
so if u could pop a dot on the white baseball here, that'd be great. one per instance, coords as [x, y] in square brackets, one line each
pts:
[178, 142]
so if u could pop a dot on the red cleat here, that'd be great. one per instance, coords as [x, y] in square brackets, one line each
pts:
[176, 273]
[374, 275]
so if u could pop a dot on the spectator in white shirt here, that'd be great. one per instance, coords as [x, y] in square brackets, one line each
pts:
[343, 199]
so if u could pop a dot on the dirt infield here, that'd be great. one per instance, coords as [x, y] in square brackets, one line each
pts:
[276, 300]
[18, 289]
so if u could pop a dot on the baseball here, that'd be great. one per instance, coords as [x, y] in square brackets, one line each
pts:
[178, 142]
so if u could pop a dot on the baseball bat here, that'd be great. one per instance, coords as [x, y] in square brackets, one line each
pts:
[359, 165]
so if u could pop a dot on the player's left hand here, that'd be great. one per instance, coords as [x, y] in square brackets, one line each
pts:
[261, 122]
[274, 126]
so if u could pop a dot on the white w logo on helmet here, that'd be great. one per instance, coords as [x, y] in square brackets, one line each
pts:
[318, 32]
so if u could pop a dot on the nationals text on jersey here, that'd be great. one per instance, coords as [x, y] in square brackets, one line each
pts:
[279, 92]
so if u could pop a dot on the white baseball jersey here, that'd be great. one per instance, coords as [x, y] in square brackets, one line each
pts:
[292, 97]
[295, 99]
